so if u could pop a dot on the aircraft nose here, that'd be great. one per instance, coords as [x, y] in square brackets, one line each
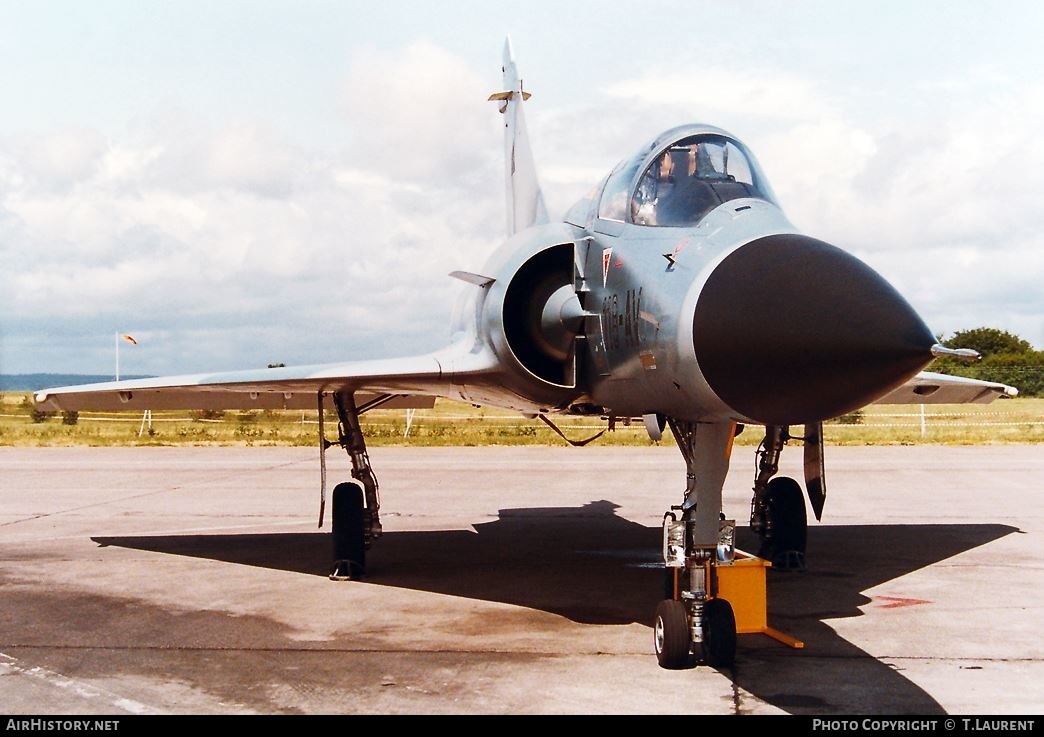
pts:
[789, 329]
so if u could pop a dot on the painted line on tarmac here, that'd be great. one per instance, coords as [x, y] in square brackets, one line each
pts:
[9, 665]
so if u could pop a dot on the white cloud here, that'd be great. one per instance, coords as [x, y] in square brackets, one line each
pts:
[232, 234]
[57, 160]
[418, 113]
[710, 91]
[252, 158]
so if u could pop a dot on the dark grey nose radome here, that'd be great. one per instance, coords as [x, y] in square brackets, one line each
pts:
[789, 329]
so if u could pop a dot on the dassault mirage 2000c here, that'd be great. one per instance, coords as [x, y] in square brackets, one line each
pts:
[678, 294]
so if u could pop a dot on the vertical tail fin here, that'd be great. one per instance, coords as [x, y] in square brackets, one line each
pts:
[525, 201]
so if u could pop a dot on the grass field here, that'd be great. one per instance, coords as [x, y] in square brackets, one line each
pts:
[453, 423]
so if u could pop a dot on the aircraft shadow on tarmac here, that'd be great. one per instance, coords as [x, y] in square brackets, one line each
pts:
[594, 567]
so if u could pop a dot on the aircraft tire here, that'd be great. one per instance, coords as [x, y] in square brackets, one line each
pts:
[785, 505]
[349, 544]
[671, 635]
[719, 634]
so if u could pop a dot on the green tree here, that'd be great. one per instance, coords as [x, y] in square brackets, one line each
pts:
[1024, 371]
[1006, 358]
[988, 341]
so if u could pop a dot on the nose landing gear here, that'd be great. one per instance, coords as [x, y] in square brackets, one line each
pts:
[712, 594]
[695, 619]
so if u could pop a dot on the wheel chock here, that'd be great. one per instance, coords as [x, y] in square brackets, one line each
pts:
[742, 584]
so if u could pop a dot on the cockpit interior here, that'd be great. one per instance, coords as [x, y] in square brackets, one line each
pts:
[681, 180]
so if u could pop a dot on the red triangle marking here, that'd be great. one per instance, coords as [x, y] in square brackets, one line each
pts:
[895, 602]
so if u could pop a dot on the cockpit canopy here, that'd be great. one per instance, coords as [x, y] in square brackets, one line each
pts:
[684, 174]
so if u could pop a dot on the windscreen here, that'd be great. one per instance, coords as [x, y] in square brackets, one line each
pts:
[691, 178]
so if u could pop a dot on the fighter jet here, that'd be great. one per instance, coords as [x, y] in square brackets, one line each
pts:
[677, 294]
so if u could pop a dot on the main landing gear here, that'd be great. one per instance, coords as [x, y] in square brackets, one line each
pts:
[356, 504]
[777, 509]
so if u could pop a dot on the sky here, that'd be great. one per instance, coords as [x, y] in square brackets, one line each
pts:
[250, 182]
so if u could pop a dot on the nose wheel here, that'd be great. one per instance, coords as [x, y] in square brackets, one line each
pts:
[679, 623]
[671, 635]
[719, 634]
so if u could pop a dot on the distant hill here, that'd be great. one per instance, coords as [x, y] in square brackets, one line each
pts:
[35, 382]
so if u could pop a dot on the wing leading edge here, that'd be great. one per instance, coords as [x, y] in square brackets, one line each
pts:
[415, 382]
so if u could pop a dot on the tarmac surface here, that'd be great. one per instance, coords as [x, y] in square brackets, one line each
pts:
[508, 581]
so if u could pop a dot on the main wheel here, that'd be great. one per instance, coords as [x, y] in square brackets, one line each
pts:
[349, 543]
[719, 633]
[784, 544]
[671, 635]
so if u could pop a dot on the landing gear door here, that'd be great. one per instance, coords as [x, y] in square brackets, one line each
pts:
[815, 473]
